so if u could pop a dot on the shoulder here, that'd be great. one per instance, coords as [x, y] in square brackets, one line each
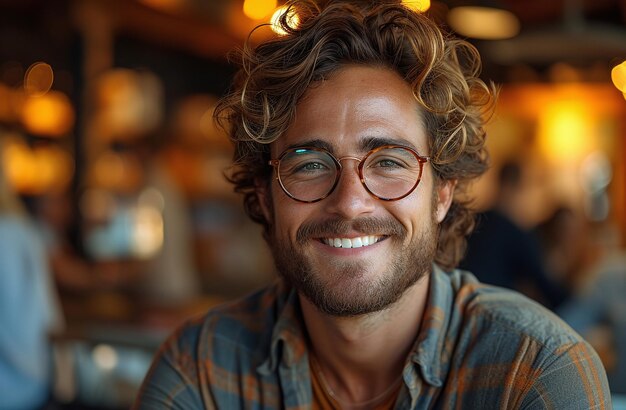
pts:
[244, 324]
[202, 361]
[498, 308]
[537, 355]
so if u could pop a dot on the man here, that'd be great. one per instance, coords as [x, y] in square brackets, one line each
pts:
[352, 133]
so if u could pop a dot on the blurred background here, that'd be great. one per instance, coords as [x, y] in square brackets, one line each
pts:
[107, 142]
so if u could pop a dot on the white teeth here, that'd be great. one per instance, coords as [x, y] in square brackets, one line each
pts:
[357, 242]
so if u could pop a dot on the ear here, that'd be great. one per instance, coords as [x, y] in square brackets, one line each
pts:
[445, 194]
[262, 188]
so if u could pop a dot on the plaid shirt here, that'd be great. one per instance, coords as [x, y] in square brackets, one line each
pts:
[479, 347]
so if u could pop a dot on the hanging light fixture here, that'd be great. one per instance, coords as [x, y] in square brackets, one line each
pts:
[618, 76]
[484, 21]
[574, 40]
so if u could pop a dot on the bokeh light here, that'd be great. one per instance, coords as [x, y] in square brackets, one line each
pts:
[50, 114]
[618, 76]
[105, 356]
[37, 170]
[147, 236]
[419, 5]
[38, 79]
[116, 171]
[484, 23]
[566, 131]
[129, 103]
[292, 20]
[258, 9]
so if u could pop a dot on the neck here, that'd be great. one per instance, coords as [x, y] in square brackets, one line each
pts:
[360, 357]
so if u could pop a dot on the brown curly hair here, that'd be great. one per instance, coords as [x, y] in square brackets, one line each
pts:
[441, 70]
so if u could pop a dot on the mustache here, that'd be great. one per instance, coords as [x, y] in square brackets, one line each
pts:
[334, 227]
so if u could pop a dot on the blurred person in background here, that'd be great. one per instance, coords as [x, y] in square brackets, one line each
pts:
[501, 253]
[172, 277]
[597, 309]
[29, 308]
[54, 215]
[352, 132]
[564, 243]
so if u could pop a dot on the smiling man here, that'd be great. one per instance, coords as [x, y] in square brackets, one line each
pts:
[355, 133]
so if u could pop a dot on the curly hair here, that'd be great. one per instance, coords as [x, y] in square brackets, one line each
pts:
[442, 71]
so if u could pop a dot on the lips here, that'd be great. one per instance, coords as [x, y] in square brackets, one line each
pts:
[357, 242]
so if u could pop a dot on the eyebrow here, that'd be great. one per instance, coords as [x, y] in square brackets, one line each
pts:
[366, 144]
[315, 143]
[370, 143]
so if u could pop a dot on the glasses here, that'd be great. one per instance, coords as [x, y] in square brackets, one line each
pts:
[309, 174]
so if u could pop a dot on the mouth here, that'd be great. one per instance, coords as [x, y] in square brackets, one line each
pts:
[357, 242]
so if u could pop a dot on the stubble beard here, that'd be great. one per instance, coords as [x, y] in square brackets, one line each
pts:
[342, 291]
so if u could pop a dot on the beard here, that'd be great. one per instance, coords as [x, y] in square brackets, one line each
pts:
[341, 291]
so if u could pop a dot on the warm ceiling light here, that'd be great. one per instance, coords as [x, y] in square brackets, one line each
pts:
[618, 75]
[292, 20]
[129, 104]
[36, 170]
[258, 9]
[566, 131]
[49, 114]
[419, 5]
[485, 23]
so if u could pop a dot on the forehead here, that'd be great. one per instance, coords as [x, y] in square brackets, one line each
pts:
[355, 104]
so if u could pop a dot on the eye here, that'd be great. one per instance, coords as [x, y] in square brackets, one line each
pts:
[311, 166]
[307, 166]
[392, 160]
[388, 163]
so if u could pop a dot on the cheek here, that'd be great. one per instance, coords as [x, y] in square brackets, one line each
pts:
[419, 213]
[288, 216]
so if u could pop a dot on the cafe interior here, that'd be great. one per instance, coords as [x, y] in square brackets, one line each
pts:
[107, 137]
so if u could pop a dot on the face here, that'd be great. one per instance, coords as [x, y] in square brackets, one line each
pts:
[350, 253]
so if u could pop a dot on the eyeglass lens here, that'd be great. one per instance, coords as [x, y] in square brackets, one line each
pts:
[309, 175]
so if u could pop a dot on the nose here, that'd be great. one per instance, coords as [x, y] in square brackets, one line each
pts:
[350, 199]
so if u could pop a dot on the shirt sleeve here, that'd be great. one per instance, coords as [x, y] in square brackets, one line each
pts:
[575, 380]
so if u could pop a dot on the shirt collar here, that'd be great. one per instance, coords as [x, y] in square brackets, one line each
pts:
[431, 351]
[288, 344]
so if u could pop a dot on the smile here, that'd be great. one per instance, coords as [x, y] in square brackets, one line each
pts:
[357, 242]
